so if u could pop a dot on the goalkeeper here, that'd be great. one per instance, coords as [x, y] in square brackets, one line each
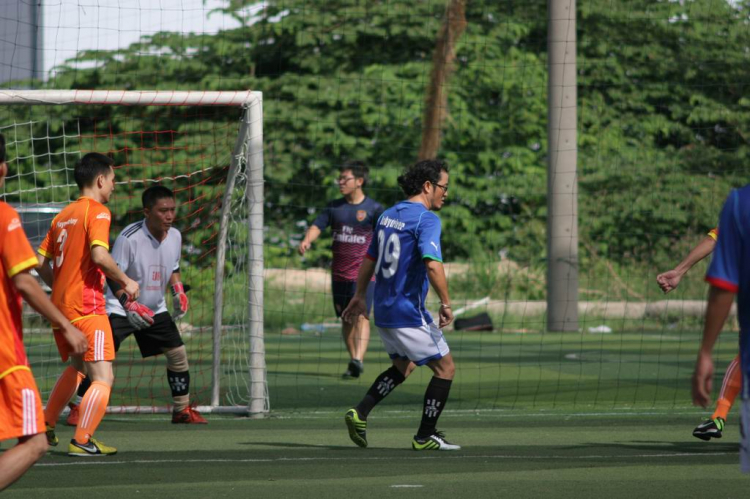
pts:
[732, 383]
[148, 252]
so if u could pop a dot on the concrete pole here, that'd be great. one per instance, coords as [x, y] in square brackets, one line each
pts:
[562, 182]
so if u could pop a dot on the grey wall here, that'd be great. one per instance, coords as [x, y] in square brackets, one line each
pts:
[20, 40]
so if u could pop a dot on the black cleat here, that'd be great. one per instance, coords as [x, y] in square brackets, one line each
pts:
[354, 369]
[710, 428]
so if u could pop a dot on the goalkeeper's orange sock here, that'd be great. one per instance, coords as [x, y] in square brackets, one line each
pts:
[92, 410]
[65, 387]
[730, 387]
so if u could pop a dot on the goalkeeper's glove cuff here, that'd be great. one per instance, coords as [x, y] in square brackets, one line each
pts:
[180, 301]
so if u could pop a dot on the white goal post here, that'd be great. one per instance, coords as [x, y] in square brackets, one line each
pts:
[245, 172]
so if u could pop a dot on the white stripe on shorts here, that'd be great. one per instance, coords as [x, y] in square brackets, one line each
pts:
[98, 345]
[29, 412]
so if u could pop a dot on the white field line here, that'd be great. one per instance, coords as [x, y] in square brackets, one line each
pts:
[388, 458]
[496, 413]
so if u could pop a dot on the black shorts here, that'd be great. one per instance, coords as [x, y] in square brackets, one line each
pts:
[162, 334]
[343, 292]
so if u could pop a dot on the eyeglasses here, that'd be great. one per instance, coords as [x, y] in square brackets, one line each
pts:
[343, 180]
[444, 187]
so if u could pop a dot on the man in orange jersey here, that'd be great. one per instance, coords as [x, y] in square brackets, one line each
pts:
[21, 413]
[732, 383]
[75, 260]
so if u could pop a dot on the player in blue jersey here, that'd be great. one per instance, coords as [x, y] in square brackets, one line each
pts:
[351, 219]
[405, 257]
[729, 276]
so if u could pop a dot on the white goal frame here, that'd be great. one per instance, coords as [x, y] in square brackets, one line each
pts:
[248, 150]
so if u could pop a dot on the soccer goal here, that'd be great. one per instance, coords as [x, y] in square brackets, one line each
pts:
[208, 148]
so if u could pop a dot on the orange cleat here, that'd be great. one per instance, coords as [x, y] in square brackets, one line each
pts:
[72, 415]
[188, 416]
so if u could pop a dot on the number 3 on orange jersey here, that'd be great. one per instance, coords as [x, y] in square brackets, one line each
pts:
[61, 242]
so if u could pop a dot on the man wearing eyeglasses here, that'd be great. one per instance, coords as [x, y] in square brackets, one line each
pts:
[352, 219]
[406, 257]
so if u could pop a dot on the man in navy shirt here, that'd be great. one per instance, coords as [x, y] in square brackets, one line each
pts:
[351, 219]
[729, 276]
[405, 256]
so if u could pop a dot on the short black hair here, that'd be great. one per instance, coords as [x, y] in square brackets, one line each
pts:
[2, 148]
[90, 166]
[153, 194]
[358, 168]
[414, 176]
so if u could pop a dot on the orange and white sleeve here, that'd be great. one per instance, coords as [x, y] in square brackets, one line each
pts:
[17, 253]
[714, 233]
[99, 219]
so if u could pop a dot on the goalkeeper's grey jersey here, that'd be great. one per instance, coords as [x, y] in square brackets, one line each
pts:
[148, 262]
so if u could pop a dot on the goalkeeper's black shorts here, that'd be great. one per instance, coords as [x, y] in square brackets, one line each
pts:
[161, 335]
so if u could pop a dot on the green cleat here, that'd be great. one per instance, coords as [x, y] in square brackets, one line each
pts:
[357, 427]
[52, 439]
[436, 441]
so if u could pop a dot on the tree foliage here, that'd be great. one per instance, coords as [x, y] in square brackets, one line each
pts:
[663, 112]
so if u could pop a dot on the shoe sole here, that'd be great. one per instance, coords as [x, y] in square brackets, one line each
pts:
[353, 435]
[74, 454]
[706, 436]
[439, 449]
[86, 454]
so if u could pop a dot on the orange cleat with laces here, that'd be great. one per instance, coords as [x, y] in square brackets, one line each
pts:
[72, 415]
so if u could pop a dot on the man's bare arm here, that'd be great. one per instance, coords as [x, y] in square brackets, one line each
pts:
[104, 261]
[30, 290]
[357, 305]
[436, 275]
[310, 236]
[45, 270]
[671, 279]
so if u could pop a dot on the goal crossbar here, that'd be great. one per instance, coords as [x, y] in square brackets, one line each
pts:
[128, 97]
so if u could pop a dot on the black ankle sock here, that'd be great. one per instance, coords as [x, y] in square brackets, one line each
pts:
[381, 387]
[435, 398]
[83, 386]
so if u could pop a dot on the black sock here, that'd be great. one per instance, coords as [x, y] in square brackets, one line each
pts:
[179, 383]
[435, 398]
[381, 387]
[83, 386]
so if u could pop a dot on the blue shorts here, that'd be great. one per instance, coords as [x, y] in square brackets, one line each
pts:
[343, 292]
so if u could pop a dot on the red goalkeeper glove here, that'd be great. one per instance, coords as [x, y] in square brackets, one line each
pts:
[139, 316]
[179, 301]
